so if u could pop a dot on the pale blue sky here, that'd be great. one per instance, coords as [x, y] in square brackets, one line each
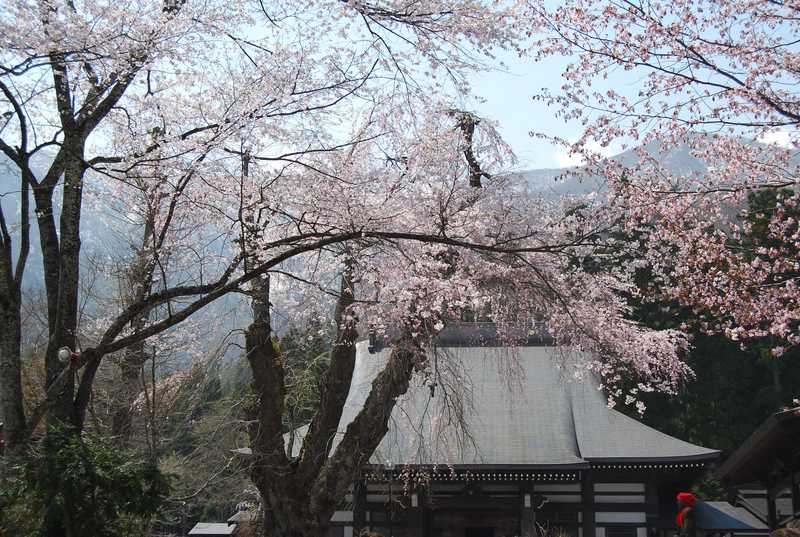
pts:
[508, 100]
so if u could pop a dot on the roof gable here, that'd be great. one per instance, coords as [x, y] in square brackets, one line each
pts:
[519, 408]
[605, 434]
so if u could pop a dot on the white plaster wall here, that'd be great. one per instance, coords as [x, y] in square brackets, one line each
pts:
[610, 518]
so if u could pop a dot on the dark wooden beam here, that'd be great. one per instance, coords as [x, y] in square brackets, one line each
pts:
[417, 515]
[651, 504]
[772, 511]
[795, 484]
[587, 504]
[509, 504]
[359, 507]
[527, 513]
[477, 502]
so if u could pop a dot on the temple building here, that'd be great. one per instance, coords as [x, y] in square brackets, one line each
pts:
[763, 474]
[507, 441]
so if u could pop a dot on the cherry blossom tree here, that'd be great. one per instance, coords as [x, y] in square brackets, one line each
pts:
[309, 145]
[131, 94]
[493, 245]
[717, 78]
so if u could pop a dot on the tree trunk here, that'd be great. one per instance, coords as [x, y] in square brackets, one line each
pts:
[335, 387]
[51, 260]
[300, 495]
[69, 269]
[130, 367]
[287, 512]
[12, 411]
[269, 467]
[63, 252]
[367, 429]
[12, 405]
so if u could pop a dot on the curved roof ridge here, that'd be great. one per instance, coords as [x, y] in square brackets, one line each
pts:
[545, 421]
[605, 434]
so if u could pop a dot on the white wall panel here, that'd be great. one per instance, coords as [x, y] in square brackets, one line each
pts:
[621, 498]
[619, 487]
[564, 498]
[610, 518]
[548, 487]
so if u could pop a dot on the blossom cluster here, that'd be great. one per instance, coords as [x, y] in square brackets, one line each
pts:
[713, 82]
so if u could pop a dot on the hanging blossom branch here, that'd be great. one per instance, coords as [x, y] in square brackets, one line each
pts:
[720, 238]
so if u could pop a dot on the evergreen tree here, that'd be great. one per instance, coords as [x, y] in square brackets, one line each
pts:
[737, 384]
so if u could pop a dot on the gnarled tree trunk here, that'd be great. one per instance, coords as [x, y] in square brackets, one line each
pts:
[300, 494]
[285, 511]
[12, 412]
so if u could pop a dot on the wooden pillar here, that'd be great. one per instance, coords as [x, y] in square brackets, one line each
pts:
[772, 511]
[527, 516]
[651, 505]
[795, 484]
[359, 507]
[417, 514]
[587, 504]
[796, 497]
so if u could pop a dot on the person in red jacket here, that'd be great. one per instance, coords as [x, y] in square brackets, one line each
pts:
[685, 518]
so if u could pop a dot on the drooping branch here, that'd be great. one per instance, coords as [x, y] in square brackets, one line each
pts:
[225, 285]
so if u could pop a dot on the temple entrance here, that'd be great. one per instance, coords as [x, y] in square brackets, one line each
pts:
[481, 531]
[474, 523]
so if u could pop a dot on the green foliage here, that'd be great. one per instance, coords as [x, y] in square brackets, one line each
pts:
[761, 208]
[760, 239]
[209, 479]
[733, 392]
[84, 483]
[305, 355]
[710, 489]
[211, 390]
[202, 424]
[205, 424]
[735, 388]
[196, 395]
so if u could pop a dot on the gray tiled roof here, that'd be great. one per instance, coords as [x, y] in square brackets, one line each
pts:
[722, 516]
[520, 408]
[213, 529]
[605, 434]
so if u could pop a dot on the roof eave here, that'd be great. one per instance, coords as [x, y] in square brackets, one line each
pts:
[445, 467]
[701, 457]
[741, 457]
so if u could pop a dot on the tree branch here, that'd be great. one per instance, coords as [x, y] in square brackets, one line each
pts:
[334, 388]
[367, 430]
